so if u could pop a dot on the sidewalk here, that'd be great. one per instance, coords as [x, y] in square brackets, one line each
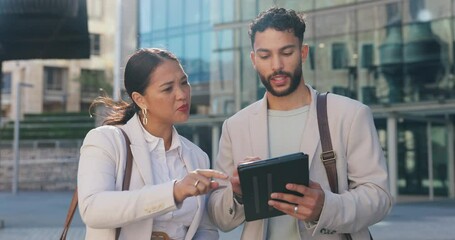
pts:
[40, 216]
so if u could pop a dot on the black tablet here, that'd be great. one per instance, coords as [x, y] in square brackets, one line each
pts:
[260, 178]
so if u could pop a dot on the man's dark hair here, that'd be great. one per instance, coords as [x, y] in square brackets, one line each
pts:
[279, 19]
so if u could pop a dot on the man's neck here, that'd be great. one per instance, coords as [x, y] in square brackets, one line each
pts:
[299, 98]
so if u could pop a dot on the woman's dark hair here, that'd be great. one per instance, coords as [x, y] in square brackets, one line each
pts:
[279, 19]
[139, 68]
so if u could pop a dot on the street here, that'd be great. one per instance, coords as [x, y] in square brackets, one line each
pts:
[40, 215]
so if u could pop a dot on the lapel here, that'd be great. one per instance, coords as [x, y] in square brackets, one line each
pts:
[187, 155]
[258, 129]
[141, 156]
[310, 140]
[188, 158]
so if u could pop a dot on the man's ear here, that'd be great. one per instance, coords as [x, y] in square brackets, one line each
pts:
[253, 59]
[304, 52]
[138, 99]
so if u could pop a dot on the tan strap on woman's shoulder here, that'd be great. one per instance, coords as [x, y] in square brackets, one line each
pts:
[125, 187]
[69, 215]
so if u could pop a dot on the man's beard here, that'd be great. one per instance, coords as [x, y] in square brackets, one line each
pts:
[295, 81]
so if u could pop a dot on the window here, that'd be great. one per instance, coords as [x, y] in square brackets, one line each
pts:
[54, 78]
[92, 81]
[6, 83]
[339, 56]
[95, 44]
[367, 56]
[311, 57]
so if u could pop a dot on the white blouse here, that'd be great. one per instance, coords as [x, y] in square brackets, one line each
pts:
[169, 166]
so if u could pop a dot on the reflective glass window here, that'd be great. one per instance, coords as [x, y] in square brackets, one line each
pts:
[176, 46]
[145, 16]
[6, 82]
[159, 14]
[224, 10]
[175, 13]
[193, 12]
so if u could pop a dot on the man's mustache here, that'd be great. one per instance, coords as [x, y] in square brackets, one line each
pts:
[279, 73]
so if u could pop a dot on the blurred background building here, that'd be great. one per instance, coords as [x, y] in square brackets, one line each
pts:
[397, 56]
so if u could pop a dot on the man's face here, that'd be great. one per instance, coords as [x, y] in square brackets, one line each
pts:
[277, 57]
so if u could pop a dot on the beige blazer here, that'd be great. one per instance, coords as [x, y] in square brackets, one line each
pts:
[364, 197]
[102, 204]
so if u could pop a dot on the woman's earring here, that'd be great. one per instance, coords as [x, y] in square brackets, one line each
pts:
[144, 116]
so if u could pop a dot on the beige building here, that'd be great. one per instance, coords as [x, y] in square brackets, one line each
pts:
[66, 85]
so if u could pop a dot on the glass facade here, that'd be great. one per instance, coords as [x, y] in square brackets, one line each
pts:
[395, 56]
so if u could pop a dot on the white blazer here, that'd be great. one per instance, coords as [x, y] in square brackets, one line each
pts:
[364, 197]
[102, 204]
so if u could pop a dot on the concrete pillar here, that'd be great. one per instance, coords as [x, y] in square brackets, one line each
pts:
[430, 163]
[215, 141]
[450, 159]
[392, 154]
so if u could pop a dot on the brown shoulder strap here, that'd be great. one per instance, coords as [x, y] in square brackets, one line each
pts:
[129, 163]
[69, 215]
[328, 156]
[128, 169]
[125, 186]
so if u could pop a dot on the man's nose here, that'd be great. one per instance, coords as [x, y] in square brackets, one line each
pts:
[277, 64]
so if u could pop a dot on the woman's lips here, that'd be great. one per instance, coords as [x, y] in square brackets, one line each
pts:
[183, 108]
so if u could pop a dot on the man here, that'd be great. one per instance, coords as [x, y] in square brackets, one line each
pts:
[285, 121]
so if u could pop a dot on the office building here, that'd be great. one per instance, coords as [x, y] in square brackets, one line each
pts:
[397, 56]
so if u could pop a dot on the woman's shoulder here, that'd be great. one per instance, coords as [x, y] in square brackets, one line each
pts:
[102, 133]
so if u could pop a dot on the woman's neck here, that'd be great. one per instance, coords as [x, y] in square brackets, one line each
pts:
[161, 131]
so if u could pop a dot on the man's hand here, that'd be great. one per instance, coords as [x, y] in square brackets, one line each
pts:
[306, 208]
[235, 180]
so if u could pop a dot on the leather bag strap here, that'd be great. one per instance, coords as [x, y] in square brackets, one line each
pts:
[69, 215]
[328, 156]
[128, 170]
[125, 187]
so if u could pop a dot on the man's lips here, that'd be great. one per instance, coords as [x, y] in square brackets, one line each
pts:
[279, 79]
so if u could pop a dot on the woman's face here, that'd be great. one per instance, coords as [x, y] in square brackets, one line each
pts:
[168, 95]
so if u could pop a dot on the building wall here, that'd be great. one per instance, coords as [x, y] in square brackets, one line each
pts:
[372, 51]
[102, 22]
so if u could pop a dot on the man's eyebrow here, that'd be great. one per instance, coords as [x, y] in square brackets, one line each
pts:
[287, 47]
[263, 50]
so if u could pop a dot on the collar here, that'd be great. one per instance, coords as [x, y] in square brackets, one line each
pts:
[153, 141]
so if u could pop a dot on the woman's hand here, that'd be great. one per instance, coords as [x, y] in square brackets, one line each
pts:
[197, 182]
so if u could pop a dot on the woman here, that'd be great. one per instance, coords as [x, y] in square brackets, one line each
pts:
[170, 175]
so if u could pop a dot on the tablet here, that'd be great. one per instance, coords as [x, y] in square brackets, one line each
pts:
[258, 179]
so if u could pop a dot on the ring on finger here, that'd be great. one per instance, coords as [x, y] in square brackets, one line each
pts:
[296, 208]
[196, 183]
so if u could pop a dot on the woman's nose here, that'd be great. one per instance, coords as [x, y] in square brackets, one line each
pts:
[181, 93]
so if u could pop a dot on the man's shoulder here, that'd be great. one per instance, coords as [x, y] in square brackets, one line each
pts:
[338, 101]
[345, 109]
[246, 111]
